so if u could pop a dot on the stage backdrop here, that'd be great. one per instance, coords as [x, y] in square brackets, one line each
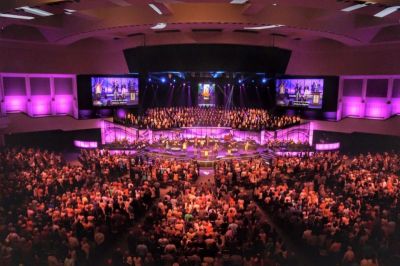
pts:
[225, 89]
[207, 57]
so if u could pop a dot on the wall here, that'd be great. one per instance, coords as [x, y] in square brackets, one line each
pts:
[38, 94]
[86, 58]
[91, 56]
[340, 60]
[349, 125]
[19, 123]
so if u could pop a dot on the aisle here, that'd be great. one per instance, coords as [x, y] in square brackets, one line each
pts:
[206, 175]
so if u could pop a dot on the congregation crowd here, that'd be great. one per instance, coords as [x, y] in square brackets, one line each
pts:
[54, 213]
[237, 118]
[338, 210]
[205, 225]
[346, 210]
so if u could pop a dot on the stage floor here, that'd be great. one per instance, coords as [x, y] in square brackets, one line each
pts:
[205, 152]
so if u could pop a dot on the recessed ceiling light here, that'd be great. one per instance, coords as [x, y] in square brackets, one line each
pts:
[264, 27]
[387, 11]
[35, 11]
[159, 26]
[354, 7]
[15, 16]
[238, 2]
[155, 8]
[275, 4]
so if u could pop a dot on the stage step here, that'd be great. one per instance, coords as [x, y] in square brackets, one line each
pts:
[267, 156]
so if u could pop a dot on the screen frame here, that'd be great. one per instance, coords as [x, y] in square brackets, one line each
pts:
[213, 85]
[122, 105]
[85, 96]
[320, 107]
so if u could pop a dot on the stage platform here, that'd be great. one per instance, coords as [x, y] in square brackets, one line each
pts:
[206, 152]
[203, 144]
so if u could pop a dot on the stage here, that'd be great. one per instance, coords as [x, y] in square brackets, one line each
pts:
[204, 150]
[204, 144]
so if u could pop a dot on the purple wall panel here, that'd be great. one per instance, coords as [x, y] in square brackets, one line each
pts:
[396, 88]
[14, 86]
[377, 88]
[63, 104]
[41, 105]
[63, 86]
[396, 106]
[15, 103]
[352, 87]
[376, 108]
[352, 106]
[40, 86]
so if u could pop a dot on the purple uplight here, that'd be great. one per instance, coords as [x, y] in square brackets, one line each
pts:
[327, 146]
[85, 144]
[376, 109]
[15, 103]
[396, 106]
[121, 113]
[352, 106]
[41, 105]
[63, 104]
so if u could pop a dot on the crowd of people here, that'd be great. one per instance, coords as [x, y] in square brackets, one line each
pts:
[206, 225]
[346, 210]
[280, 145]
[237, 118]
[54, 213]
[338, 210]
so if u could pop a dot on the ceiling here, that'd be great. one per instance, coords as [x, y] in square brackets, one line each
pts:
[72, 21]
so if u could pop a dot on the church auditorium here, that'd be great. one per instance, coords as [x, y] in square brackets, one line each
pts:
[199, 133]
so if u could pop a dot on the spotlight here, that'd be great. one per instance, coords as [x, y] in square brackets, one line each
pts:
[264, 80]
[163, 80]
[149, 79]
[240, 81]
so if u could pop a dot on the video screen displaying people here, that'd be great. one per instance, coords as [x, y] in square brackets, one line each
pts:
[206, 95]
[115, 91]
[306, 93]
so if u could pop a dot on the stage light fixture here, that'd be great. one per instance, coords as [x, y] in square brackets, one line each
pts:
[156, 9]
[3, 15]
[163, 80]
[264, 80]
[35, 11]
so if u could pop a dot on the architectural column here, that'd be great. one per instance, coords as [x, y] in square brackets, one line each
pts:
[53, 105]
[2, 101]
[389, 97]
[28, 96]
[364, 96]
[340, 100]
